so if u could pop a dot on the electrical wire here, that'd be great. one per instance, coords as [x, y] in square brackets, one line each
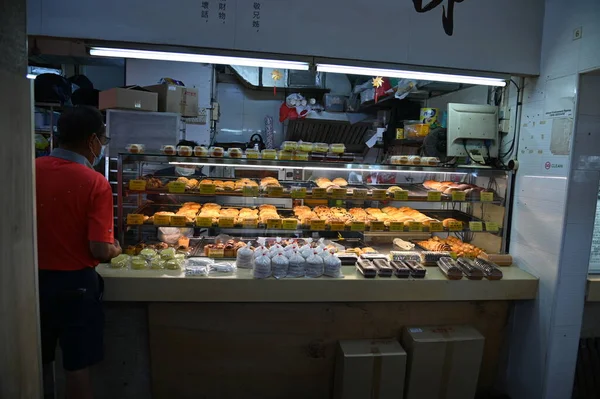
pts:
[519, 104]
[469, 154]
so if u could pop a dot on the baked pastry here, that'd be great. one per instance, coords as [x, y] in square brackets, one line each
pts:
[338, 181]
[169, 150]
[200, 151]
[184, 151]
[216, 152]
[135, 148]
[235, 153]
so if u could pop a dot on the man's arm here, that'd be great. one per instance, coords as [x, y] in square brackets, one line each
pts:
[103, 245]
[104, 251]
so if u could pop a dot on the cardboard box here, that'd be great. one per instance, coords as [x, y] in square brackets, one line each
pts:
[179, 99]
[128, 97]
[443, 361]
[370, 369]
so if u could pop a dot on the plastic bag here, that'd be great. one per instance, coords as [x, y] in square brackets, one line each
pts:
[138, 263]
[314, 266]
[279, 265]
[192, 271]
[157, 263]
[297, 265]
[262, 266]
[289, 250]
[245, 258]
[222, 267]
[332, 266]
[261, 247]
[120, 262]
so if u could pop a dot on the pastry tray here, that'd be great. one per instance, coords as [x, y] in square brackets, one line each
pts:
[441, 214]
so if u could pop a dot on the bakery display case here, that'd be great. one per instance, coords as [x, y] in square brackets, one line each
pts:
[224, 203]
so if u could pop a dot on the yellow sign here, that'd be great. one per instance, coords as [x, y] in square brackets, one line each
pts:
[298, 193]
[459, 196]
[226, 222]
[134, 218]
[396, 226]
[289, 224]
[337, 226]
[179, 221]
[379, 195]
[176, 187]
[475, 226]
[204, 221]
[401, 195]
[207, 189]
[436, 226]
[399, 133]
[434, 196]
[273, 223]
[338, 193]
[317, 224]
[275, 191]
[319, 193]
[250, 191]
[357, 226]
[415, 226]
[162, 220]
[137, 185]
[377, 226]
[486, 196]
[455, 226]
[216, 253]
[492, 227]
[359, 193]
[250, 223]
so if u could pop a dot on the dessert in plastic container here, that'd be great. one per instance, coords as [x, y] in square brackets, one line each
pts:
[448, 266]
[200, 151]
[431, 257]
[285, 155]
[252, 154]
[135, 148]
[337, 148]
[216, 152]
[415, 129]
[416, 270]
[173, 264]
[414, 160]
[185, 151]
[305, 146]
[148, 253]
[168, 253]
[469, 269]
[332, 156]
[320, 147]
[289, 146]
[366, 268]
[300, 156]
[383, 268]
[401, 269]
[269, 154]
[157, 263]
[235, 153]
[490, 269]
[138, 263]
[431, 161]
[317, 156]
[120, 261]
[169, 150]
[405, 255]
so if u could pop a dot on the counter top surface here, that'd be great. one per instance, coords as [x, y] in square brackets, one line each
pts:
[174, 286]
[593, 288]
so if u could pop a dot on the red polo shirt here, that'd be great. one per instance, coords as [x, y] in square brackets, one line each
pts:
[74, 207]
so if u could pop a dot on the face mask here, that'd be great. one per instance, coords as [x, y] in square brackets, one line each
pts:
[183, 171]
[98, 158]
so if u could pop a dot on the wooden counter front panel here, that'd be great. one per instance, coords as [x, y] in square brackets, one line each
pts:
[287, 350]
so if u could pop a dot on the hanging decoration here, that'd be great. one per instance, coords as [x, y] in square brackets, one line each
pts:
[275, 75]
[377, 83]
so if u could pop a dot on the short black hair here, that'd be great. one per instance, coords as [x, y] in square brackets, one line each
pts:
[188, 143]
[76, 125]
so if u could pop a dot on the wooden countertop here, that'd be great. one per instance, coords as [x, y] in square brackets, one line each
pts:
[173, 286]
[593, 288]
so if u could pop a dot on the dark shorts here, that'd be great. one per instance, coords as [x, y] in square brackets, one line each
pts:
[71, 314]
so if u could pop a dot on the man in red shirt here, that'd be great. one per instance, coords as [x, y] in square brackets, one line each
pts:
[75, 233]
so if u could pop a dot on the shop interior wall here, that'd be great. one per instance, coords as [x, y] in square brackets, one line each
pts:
[315, 28]
[545, 332]
[200, 76]
[105, 77]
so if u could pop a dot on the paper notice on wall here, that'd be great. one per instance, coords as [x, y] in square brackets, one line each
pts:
[376, 137]
[545, 145]
[560, 97]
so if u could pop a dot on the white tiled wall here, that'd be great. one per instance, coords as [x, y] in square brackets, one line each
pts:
[555, 203]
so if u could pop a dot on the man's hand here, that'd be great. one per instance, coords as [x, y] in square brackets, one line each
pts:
[104, 251]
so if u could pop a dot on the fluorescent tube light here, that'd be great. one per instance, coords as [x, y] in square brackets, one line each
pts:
[239, 166]
[31, 76]
[198, 58]
[394, 73]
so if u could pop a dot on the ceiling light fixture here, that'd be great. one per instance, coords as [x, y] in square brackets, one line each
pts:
[31, 76]
[395, 73]
[197, 58]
